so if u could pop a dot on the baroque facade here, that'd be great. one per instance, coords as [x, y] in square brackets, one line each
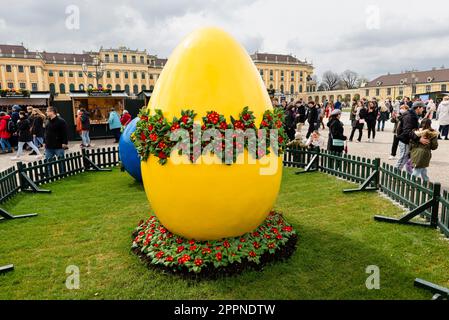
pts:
[125, 69]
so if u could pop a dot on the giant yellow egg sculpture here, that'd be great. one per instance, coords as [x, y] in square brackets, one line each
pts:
[209, 70]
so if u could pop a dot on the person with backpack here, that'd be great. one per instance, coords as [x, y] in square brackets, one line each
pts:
[37, 128]
[406, 133]
[5, 135]
[25, 137]
[420, 154]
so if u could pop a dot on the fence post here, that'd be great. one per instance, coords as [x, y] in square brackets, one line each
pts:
[436, 194]
[26, 184]
[89, 165]
[376, 163]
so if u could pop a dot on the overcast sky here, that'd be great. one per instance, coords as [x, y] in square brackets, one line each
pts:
[370, 37]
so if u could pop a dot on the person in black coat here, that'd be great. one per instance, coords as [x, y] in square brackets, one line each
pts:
[85, 127]
[290, 122]
[24, 136]
[312, 118]
[407, 126]
[336, 133]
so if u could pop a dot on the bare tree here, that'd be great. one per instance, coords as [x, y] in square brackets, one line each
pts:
[330, 80]
[350, 79]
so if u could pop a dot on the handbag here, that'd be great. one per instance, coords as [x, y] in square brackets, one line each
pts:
[338, 142]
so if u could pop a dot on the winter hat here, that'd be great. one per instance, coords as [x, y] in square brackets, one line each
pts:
[336, 112]
[16, 108]
[418, 104]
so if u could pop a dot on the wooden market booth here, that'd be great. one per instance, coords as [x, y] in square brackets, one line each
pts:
[98, 104]
[36, 99]
[145, 95]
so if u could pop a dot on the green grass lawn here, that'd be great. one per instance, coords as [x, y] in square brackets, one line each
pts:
[88, 219]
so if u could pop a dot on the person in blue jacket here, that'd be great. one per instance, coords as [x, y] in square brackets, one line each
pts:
[114, 124]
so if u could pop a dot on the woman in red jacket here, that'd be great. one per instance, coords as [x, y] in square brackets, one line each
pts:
[125, 118]
[4, 133]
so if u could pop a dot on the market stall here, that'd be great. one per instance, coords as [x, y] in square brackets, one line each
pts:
[24, 98]
[145, 95]
[99, 104]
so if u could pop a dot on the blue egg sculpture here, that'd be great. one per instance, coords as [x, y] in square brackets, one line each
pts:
[128, 153]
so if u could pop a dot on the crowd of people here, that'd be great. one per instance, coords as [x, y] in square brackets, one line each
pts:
[413, 135]
[30, 127]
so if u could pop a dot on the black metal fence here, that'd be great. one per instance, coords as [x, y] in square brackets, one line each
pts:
[28, 177]
[422, 198]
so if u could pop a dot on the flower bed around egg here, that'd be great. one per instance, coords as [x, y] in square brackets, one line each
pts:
[274, 240]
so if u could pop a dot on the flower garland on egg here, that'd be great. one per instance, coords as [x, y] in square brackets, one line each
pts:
[274, 239]
[152, 134]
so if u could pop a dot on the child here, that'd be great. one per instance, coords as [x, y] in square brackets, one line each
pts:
[298, 141]
[420, 154]
[315, 141]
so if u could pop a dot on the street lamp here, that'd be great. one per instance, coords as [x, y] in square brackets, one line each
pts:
[414, 82]
[99, 69]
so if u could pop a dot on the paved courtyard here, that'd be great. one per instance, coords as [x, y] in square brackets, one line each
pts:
[438, 171]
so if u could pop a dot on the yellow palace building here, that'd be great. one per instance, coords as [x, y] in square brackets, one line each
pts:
[125, 69]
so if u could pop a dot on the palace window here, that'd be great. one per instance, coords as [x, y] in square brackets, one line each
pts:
[144, 87]
[52, 88]
[151, 88]
[106, 58]
[20, 68]
[32, 69]
[126, 74]
[116, 58]
[81, 87]
[142, 59]
[71, 87]
[80, 74]
[34, 86]
[22, 85]
[151, 76]
[292, 76]
[282, 75]
[62, 88]
[300, 88]
[127, 88]
[261, 72]
[443, 87]
[8, 68]
[117, 74]
[134, 75]
[389, 92]
[292, 89]
[70, 74]
[401, 91]
[117, 87]
[108, 74]
[50, 73]
[143, 75]
[61, 73]
[377, 92]
[125, 59]
[282, 88]
[135, 89]
[89, 75]
[133, 59]
[271, 75]
[367, 92]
